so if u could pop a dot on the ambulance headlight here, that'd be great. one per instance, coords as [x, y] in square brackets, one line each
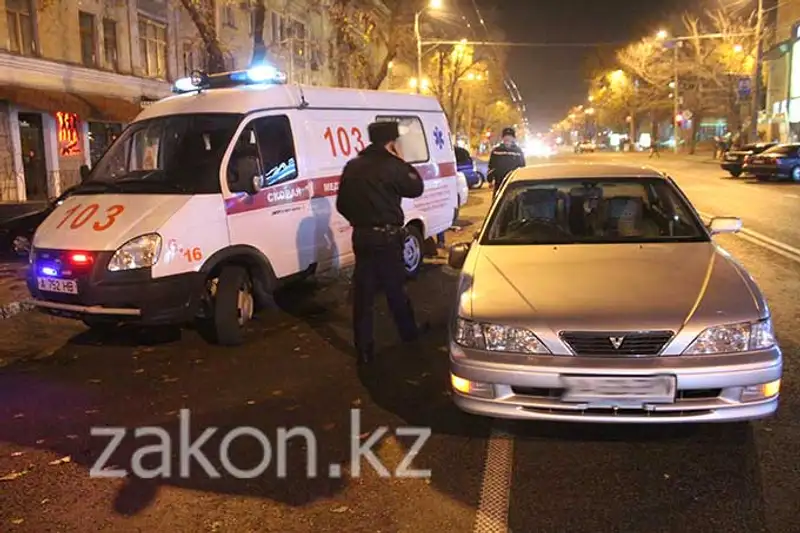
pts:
[141, 252]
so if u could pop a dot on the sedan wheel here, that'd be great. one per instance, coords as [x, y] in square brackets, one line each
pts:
[21, 245]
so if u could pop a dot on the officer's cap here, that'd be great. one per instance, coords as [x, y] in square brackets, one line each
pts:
[383, 132]
[509, 131]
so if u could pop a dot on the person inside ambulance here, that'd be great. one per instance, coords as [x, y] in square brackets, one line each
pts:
[371, 191]
[504, 159]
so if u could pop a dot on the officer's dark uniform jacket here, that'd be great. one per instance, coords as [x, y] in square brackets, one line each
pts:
[373, 186]
[503, 161]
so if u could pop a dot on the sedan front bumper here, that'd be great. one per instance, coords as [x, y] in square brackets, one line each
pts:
[707, 388]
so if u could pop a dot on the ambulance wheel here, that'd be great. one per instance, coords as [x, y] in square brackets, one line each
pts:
[412, 251]
[234, 304]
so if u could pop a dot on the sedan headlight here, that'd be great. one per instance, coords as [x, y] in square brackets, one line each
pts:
[141, 252]
[733, 338]
[497, 338]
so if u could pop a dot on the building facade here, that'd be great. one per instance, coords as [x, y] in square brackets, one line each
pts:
[782, 66]
[73, 73]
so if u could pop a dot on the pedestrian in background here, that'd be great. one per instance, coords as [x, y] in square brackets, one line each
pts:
[504, 159]
[371, 191]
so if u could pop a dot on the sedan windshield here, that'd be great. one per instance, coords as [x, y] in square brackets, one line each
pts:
[170, 154]
[577, 211]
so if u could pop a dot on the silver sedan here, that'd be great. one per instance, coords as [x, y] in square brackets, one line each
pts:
[595, 293]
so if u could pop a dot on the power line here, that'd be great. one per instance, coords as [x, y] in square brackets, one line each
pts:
[532, 45]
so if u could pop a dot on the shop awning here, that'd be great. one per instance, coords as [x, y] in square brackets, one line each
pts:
[86, 106]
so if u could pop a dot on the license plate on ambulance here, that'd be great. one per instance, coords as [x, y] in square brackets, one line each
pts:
[63, 286]
[612, 391]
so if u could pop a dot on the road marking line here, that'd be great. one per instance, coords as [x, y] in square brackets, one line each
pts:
[780, 248]
[792, 195]
[492, 515]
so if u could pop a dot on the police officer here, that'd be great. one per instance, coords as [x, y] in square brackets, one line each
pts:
[370, 193]
[504, 159]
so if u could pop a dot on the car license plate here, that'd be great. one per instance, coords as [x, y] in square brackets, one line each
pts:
[64, 286]
[618, 391]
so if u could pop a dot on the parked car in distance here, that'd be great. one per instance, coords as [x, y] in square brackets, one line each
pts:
[595, 293]
[733, 160]
[585, 146]
[466, 164]
[16, 233]
[781, 161]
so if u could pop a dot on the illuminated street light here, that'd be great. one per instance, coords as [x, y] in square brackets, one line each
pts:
[413, 83]
[618, 76]
[591, 98]
[590, 111]
[662, 34]
[738, 48]
[432, 4]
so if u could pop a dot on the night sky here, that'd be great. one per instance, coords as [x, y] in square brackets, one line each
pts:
[553, 79]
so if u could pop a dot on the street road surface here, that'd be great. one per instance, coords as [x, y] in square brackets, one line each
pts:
[298, 370]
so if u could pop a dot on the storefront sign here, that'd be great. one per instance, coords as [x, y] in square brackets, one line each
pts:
[68, 134]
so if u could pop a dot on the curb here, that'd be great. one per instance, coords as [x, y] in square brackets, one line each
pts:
[13, 309]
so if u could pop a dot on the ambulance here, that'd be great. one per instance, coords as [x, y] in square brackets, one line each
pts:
[218, 195]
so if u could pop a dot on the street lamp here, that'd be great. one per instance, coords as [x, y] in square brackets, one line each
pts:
[432, 4]
[661, 35]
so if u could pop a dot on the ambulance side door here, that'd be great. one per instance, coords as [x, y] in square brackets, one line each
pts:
[278, 219]
[334, 137]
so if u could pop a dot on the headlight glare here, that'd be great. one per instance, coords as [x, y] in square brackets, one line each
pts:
[733, 338]
[141, 252]
[497, 338]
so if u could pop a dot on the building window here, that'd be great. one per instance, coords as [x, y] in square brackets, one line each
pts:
[88, 39]
[110, 44]
[20, 27]
[228, 16]
[153, 46]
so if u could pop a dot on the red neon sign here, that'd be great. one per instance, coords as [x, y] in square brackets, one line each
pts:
[68, 134]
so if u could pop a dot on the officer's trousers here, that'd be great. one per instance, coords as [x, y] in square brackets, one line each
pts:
[379, 265]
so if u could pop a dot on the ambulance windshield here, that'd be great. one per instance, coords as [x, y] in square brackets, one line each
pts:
[169, 154]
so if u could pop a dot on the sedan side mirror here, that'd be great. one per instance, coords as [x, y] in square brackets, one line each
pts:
[724, 225]
[85, 171]
[458, 255]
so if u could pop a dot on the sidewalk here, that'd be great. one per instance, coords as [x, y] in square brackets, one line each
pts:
[14, 296]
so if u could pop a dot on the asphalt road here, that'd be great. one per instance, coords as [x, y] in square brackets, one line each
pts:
[297, 370]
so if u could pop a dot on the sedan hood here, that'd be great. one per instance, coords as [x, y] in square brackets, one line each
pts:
[610, 287]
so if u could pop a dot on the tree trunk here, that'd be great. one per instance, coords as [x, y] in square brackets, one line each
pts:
[695, 129]
[259, 48]
[203, 20]
[383, 70]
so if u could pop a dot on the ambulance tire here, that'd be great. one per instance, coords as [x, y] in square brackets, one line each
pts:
[413, 248]
[233, 305]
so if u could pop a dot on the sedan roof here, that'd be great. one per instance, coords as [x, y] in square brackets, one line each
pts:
[555, 171]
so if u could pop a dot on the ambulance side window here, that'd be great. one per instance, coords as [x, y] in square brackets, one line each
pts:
[412, 141]
[244, 160]
[276, 144]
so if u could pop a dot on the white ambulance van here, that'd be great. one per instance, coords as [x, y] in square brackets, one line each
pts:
[214, 197]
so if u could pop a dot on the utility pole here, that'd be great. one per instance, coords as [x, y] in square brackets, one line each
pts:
[676, 126]
[756, 81]
[419, 51]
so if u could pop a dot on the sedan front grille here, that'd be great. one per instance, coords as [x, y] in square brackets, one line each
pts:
[613, 344]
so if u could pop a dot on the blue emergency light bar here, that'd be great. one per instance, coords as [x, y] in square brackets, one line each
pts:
[199, 81]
